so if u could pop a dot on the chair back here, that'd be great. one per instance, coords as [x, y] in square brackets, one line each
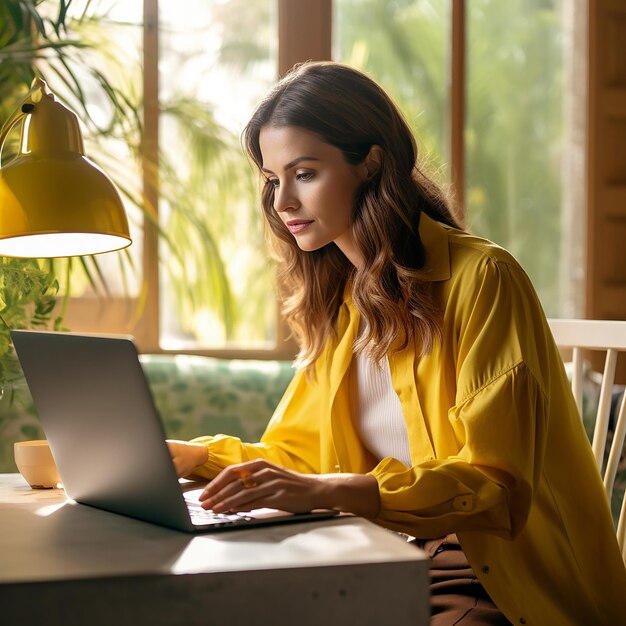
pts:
[610, 337]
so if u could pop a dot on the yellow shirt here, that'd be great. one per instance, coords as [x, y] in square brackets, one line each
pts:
[499, 454]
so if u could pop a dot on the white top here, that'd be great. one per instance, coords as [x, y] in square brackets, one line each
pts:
[381, 424]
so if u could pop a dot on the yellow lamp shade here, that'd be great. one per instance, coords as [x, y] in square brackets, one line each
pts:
[53, 200]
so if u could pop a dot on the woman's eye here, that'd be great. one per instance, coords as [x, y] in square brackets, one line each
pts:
[304, 176]
[272, 181]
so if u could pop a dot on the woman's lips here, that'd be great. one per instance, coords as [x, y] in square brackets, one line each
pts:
[296, 226]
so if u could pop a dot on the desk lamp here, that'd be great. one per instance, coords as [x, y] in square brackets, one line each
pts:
[54, 202]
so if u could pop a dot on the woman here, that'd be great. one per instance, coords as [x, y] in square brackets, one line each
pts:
[429, 395]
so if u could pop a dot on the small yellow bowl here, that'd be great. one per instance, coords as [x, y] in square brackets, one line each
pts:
[36, 464]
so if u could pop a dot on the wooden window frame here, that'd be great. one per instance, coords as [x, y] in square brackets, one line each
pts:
[304, 33]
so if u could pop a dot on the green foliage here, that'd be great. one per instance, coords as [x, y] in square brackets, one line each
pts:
[200, 278]
[514, 94]
[404, 45]
[37, 37]
[514, 132]
[28, 290]
[221, 291]
[86, 57]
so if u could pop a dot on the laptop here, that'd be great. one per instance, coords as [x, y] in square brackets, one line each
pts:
[106, 436]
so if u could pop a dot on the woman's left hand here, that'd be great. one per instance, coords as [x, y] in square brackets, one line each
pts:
[259, 484]
[186, 455]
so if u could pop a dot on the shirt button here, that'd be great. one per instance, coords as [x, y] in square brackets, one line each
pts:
[486, 571]
[463, 503]
[522, 620]
[428, 457]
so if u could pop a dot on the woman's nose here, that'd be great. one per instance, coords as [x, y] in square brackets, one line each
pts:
[284, 200]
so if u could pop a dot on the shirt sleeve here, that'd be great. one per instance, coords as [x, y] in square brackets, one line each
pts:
[498, 418]
[291, 438]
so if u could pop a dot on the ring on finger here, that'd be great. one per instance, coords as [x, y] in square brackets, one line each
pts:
[246, 480]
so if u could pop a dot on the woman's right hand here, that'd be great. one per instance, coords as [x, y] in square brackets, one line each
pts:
[258, 484]
[187, 455]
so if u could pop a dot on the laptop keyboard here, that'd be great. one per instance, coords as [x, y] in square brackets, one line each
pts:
[202, 517]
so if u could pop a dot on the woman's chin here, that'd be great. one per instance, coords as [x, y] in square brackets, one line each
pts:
[308, 246]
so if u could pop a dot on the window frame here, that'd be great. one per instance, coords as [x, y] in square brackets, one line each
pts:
[304, 33]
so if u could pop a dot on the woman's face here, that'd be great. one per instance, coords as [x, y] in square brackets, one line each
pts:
[315, 188]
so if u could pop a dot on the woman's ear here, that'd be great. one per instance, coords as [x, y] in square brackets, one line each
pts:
[372, 162]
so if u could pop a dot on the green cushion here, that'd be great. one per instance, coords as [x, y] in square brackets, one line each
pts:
[195, 395]
[198, 395]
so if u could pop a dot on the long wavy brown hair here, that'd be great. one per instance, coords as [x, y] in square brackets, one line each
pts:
[348, 110]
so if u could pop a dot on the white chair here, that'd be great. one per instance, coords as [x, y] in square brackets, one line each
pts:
[610, 337]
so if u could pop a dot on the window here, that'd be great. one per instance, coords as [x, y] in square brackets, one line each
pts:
[514, 135]
[481, 83]
[216, 60]
[205, 69]
[408, 54]
[513, 139]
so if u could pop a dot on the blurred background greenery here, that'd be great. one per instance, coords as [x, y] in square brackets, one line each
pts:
[216, 59]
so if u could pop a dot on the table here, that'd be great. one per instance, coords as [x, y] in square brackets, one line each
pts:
[70, 564]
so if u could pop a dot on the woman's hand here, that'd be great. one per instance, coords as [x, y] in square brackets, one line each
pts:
[259, 483]
[186, 455]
